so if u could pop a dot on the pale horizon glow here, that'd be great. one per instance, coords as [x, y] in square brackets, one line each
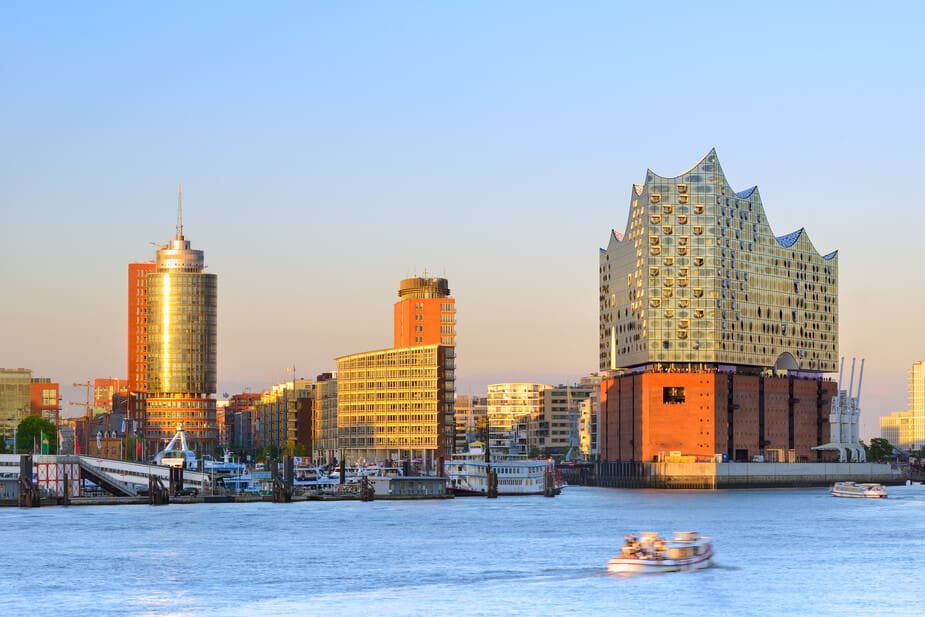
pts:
[329, 150]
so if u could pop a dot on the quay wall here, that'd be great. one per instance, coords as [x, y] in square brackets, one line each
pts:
[741, 475]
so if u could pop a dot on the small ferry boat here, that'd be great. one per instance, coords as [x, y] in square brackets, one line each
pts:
[869, 490]
[223, 467]
[255, 483]
[517, 475]
[687, 550]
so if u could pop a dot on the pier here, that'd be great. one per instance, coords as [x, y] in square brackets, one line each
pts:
[60, 476]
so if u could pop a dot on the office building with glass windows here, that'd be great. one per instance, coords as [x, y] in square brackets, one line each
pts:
[906, 429]
[397, 404]
[177, 345]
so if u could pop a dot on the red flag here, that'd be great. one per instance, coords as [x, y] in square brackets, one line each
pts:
[76, 445]
[138, 450]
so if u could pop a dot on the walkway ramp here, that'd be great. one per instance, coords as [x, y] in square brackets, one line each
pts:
[138, 474]
[104, 480]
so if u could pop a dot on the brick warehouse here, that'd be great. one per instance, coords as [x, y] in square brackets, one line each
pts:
[701, 414]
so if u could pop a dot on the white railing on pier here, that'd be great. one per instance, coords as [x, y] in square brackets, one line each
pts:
[128, 472]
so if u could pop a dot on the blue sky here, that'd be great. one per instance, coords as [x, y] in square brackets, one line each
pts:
[328, 150]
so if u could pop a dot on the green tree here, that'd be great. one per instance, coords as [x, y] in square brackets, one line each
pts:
[29, 435]
[270, 452]
[879, 450]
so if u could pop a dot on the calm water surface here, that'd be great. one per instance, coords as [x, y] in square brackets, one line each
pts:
[780, 552]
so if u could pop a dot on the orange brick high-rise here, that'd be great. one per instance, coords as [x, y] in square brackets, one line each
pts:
[425, 313]
[138, 339]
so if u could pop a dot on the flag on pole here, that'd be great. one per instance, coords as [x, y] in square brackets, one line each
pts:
[44, 443]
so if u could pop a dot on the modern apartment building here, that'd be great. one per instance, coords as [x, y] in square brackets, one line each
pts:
[44, 399]
[511, 409]
[104, 389]
[715, 333]
[397, 404]
[589, 418]
[22, 395]
[15, 398]
[279, 412]
[175, 343]
[470, 412]
[324, 419]
[555, 430]
[536, 419]
[906, 429]
[240, 419]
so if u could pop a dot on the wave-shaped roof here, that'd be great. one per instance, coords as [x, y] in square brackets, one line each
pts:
[709, 164]
[790, 239]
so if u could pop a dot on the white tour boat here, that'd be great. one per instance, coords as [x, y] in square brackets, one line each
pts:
[517, 475]
[687, 550]
[314, 479]
[176, 453]
[869, 490]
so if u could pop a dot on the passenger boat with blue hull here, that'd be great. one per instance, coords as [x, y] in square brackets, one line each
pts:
[223, 467]
[687, 550]
[863, 490]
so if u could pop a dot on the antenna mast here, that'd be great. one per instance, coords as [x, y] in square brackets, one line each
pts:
[180, 211]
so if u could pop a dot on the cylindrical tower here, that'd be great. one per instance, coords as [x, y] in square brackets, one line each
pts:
[421, 287]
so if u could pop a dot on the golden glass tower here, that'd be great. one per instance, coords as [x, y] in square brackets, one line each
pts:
[181, 339]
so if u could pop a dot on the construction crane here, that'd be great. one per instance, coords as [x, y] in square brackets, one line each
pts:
[86, 404]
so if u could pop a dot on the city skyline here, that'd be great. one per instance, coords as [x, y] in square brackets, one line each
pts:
[328, 151]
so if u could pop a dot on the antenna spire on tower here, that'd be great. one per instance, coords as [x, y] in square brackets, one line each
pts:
[180, 211]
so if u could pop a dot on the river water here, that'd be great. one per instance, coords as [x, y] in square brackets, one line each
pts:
[778, 552]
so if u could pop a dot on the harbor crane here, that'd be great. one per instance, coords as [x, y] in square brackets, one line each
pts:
[86, 404]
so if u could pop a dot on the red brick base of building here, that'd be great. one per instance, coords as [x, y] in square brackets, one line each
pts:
[650, 415]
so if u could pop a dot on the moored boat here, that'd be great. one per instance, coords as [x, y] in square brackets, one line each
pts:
[868, 490]
[516, 475]
[176, 453]
[687, 550]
